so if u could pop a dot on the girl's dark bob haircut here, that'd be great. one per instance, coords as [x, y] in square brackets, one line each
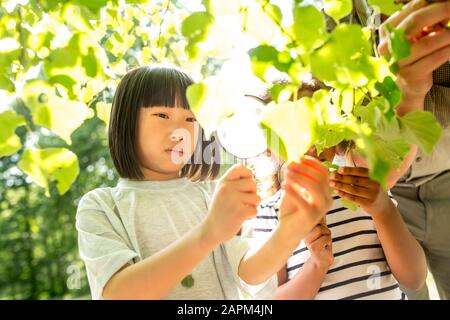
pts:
[146, 87]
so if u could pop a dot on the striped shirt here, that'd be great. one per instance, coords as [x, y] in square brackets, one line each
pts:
[359, 270]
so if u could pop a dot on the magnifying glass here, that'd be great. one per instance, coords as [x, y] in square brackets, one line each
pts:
[242, 136]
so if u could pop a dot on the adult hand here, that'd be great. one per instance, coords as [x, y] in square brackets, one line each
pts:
[425, 27]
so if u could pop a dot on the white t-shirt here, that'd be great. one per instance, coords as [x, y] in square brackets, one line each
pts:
[136, 219]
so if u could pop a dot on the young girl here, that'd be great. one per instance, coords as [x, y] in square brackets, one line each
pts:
[363, 254]
[162, 232]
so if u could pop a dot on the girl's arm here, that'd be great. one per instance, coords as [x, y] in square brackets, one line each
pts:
[309, 278]
[261, 262]
[296, 219]
[155, 276]
[304, 286]
[403, 253]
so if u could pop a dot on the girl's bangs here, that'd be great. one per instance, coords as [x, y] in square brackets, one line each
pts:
[164, 86]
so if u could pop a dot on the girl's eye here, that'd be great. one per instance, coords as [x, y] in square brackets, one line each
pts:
[191, 119]
[161, 115]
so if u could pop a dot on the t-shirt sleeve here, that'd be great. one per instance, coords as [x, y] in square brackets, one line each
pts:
[102, 242]
[262, 291]
[238, 248]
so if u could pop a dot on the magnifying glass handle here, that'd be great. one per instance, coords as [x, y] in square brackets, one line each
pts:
[266, 177]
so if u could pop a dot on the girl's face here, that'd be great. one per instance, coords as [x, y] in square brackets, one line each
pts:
[166, 139]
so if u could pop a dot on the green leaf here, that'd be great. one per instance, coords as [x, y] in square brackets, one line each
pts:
[66, 80]
[103, 111]
[387, 128]
[213, 100]
[422, 129]
[365, 142]
[196, 26]
[274, 142]
[60, 58]
[6, 83]
[77, 17]
[390, 90]
[399, 44]
[52, 164]
[193, 50]
[220, 7]
[195, 94]
[274, 12]
[9, 141]
[266, 56]
[282, 92]
[329, 135]
[330, 165]
[62, 116]
[379, 169]
[392, 151]
[188, 281]
[293, 123]
[93, 5]
[344, 59]
[65, 56]
[262, 58]
[90, 63]
[370, 113]
[338, 9]
[118, 44]
[309, 27]
[388, 7]
[261, 21]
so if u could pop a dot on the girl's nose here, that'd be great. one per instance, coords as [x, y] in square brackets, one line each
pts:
[177, 135]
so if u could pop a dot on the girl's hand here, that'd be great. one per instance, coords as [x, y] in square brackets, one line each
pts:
[306, 199]
[234, 201]
[319, 244]
[355, 185]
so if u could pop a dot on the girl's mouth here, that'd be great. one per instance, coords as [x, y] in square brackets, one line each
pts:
[175, 152]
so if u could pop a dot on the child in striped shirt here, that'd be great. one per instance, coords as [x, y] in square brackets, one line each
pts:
[362, 254]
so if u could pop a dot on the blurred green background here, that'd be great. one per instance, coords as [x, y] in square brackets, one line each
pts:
[38, 244]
